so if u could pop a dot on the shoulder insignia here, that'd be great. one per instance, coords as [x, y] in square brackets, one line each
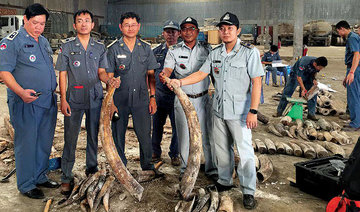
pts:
[172, 47]
[69, 39]
[301, 68]
[145, 42]
[247, 45]
[156, 46]
[98, 42]
[217, 46]
[12, 35]
[112, 43]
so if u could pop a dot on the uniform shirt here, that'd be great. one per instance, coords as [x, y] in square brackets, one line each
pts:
[268, 57]
[84, 86]
[305, 69]
[232, 73]
[185, 61]
[160, 54]
[30, 63]
[352, 45]
[132, 67]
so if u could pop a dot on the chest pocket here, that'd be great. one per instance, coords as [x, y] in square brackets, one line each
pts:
[30, 55]
[122, 64]
[216, 69]
[94, 58]
[182, 66]
[238, 70]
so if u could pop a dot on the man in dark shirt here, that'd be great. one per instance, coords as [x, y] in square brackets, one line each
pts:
[268, 59]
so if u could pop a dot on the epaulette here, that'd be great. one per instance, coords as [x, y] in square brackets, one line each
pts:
[69, 39]
[172, 47]
[145, 42]
[217, 46]
[247, 45]
[156, 46]
[112, 43]
[98, 42]
[12, 35]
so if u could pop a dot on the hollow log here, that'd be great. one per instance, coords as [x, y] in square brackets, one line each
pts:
[340, 139]
[261, 146]
[266, 168]
[280, 128]
[308, 124]
[335, 126]
[328, 137]
[262, 118]
[312, 134]
[226, 204]
[280, 149]
[324, 124]
[116, 164]
[321, 152]
[326, 101]
[271, 129]
[334, 148]
[323, 111]
[286, 120]
[316, 126]
[270, 146]
[320, 136]
[288, 149]
[296, 149]
[346, 136]
[194, 159]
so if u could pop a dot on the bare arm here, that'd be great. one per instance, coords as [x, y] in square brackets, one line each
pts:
[65, 107]
[303, 90]
[107, 79]
[24, 94]
[355, 62]
[251, 119]
[151, 80]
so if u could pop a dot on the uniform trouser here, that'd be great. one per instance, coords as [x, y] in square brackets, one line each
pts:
[159, 120]
[226, 133]
[274, 73]
[72, 126]
[202, 107]
[288, 91]
[353, 99]
[142, 126]
[34, 133]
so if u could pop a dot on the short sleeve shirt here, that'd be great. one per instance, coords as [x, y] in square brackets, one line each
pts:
[268, 57]
[185, 61]
[352, 45]
[84, 87]
[232, 73]
[132, 68]
[31, 64]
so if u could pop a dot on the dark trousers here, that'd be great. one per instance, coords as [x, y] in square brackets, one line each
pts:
[353, 99]
[159, 120]
[290, 89]
[72, 126]
[34, 134]
[142, 126]
[274, 73]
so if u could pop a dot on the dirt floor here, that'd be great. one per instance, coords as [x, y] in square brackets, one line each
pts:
[274, 195]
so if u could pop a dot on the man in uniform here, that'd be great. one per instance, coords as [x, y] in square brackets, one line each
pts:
[26, 66]
[184, 59]
[237, 70]
[304, 74]
[82, 62]
[165, 97]
[268, 58]
[352, 77]
[133, 60]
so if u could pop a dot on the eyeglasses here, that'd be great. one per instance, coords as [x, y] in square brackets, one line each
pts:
[80, 21]
[130, 26]
[188, 29]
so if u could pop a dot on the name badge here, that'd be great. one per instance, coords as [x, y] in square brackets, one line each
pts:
[216, 61]
[184, 57]
[121, 56]
[74, 53]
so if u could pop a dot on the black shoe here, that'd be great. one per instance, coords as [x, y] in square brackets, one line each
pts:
[35, 193]
[277, 115]
[213, 177]
[249, 201]
[221, 188]
[312, 117]
[49, 184]
[92, 170]
[158, 173]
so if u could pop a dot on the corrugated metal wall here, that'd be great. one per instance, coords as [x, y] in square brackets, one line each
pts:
[154, 13]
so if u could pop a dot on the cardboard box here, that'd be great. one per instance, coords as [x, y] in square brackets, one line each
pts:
[213, 37]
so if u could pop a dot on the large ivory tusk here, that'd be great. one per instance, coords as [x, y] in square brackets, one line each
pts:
[193, 163]
[118, 167]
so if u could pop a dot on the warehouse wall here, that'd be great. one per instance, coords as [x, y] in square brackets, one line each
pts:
[61, 11]
[154, 13]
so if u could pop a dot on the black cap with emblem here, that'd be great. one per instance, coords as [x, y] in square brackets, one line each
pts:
[189, 20]
[229, 19]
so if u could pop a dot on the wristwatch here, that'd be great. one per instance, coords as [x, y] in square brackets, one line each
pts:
[152, 96]
[253, 111]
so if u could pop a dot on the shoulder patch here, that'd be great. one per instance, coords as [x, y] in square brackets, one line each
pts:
[69, 39]
[247, 45]
[157, 46]
[12, 35]
[217, 46]
[145, 42]
[112, 43]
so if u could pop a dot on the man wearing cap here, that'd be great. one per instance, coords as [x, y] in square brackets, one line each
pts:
[165, 97]
[237, 71]
[184, 59]
[268, 59]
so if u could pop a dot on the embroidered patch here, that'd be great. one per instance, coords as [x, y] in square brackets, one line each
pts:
[182, 66]
[121, 56]
[60, 50]
[32, 58]
[3, 46]
[76, 63]
[216, 70]
[122, 67]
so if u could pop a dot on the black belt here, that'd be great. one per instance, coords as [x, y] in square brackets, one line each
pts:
[194, 96]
